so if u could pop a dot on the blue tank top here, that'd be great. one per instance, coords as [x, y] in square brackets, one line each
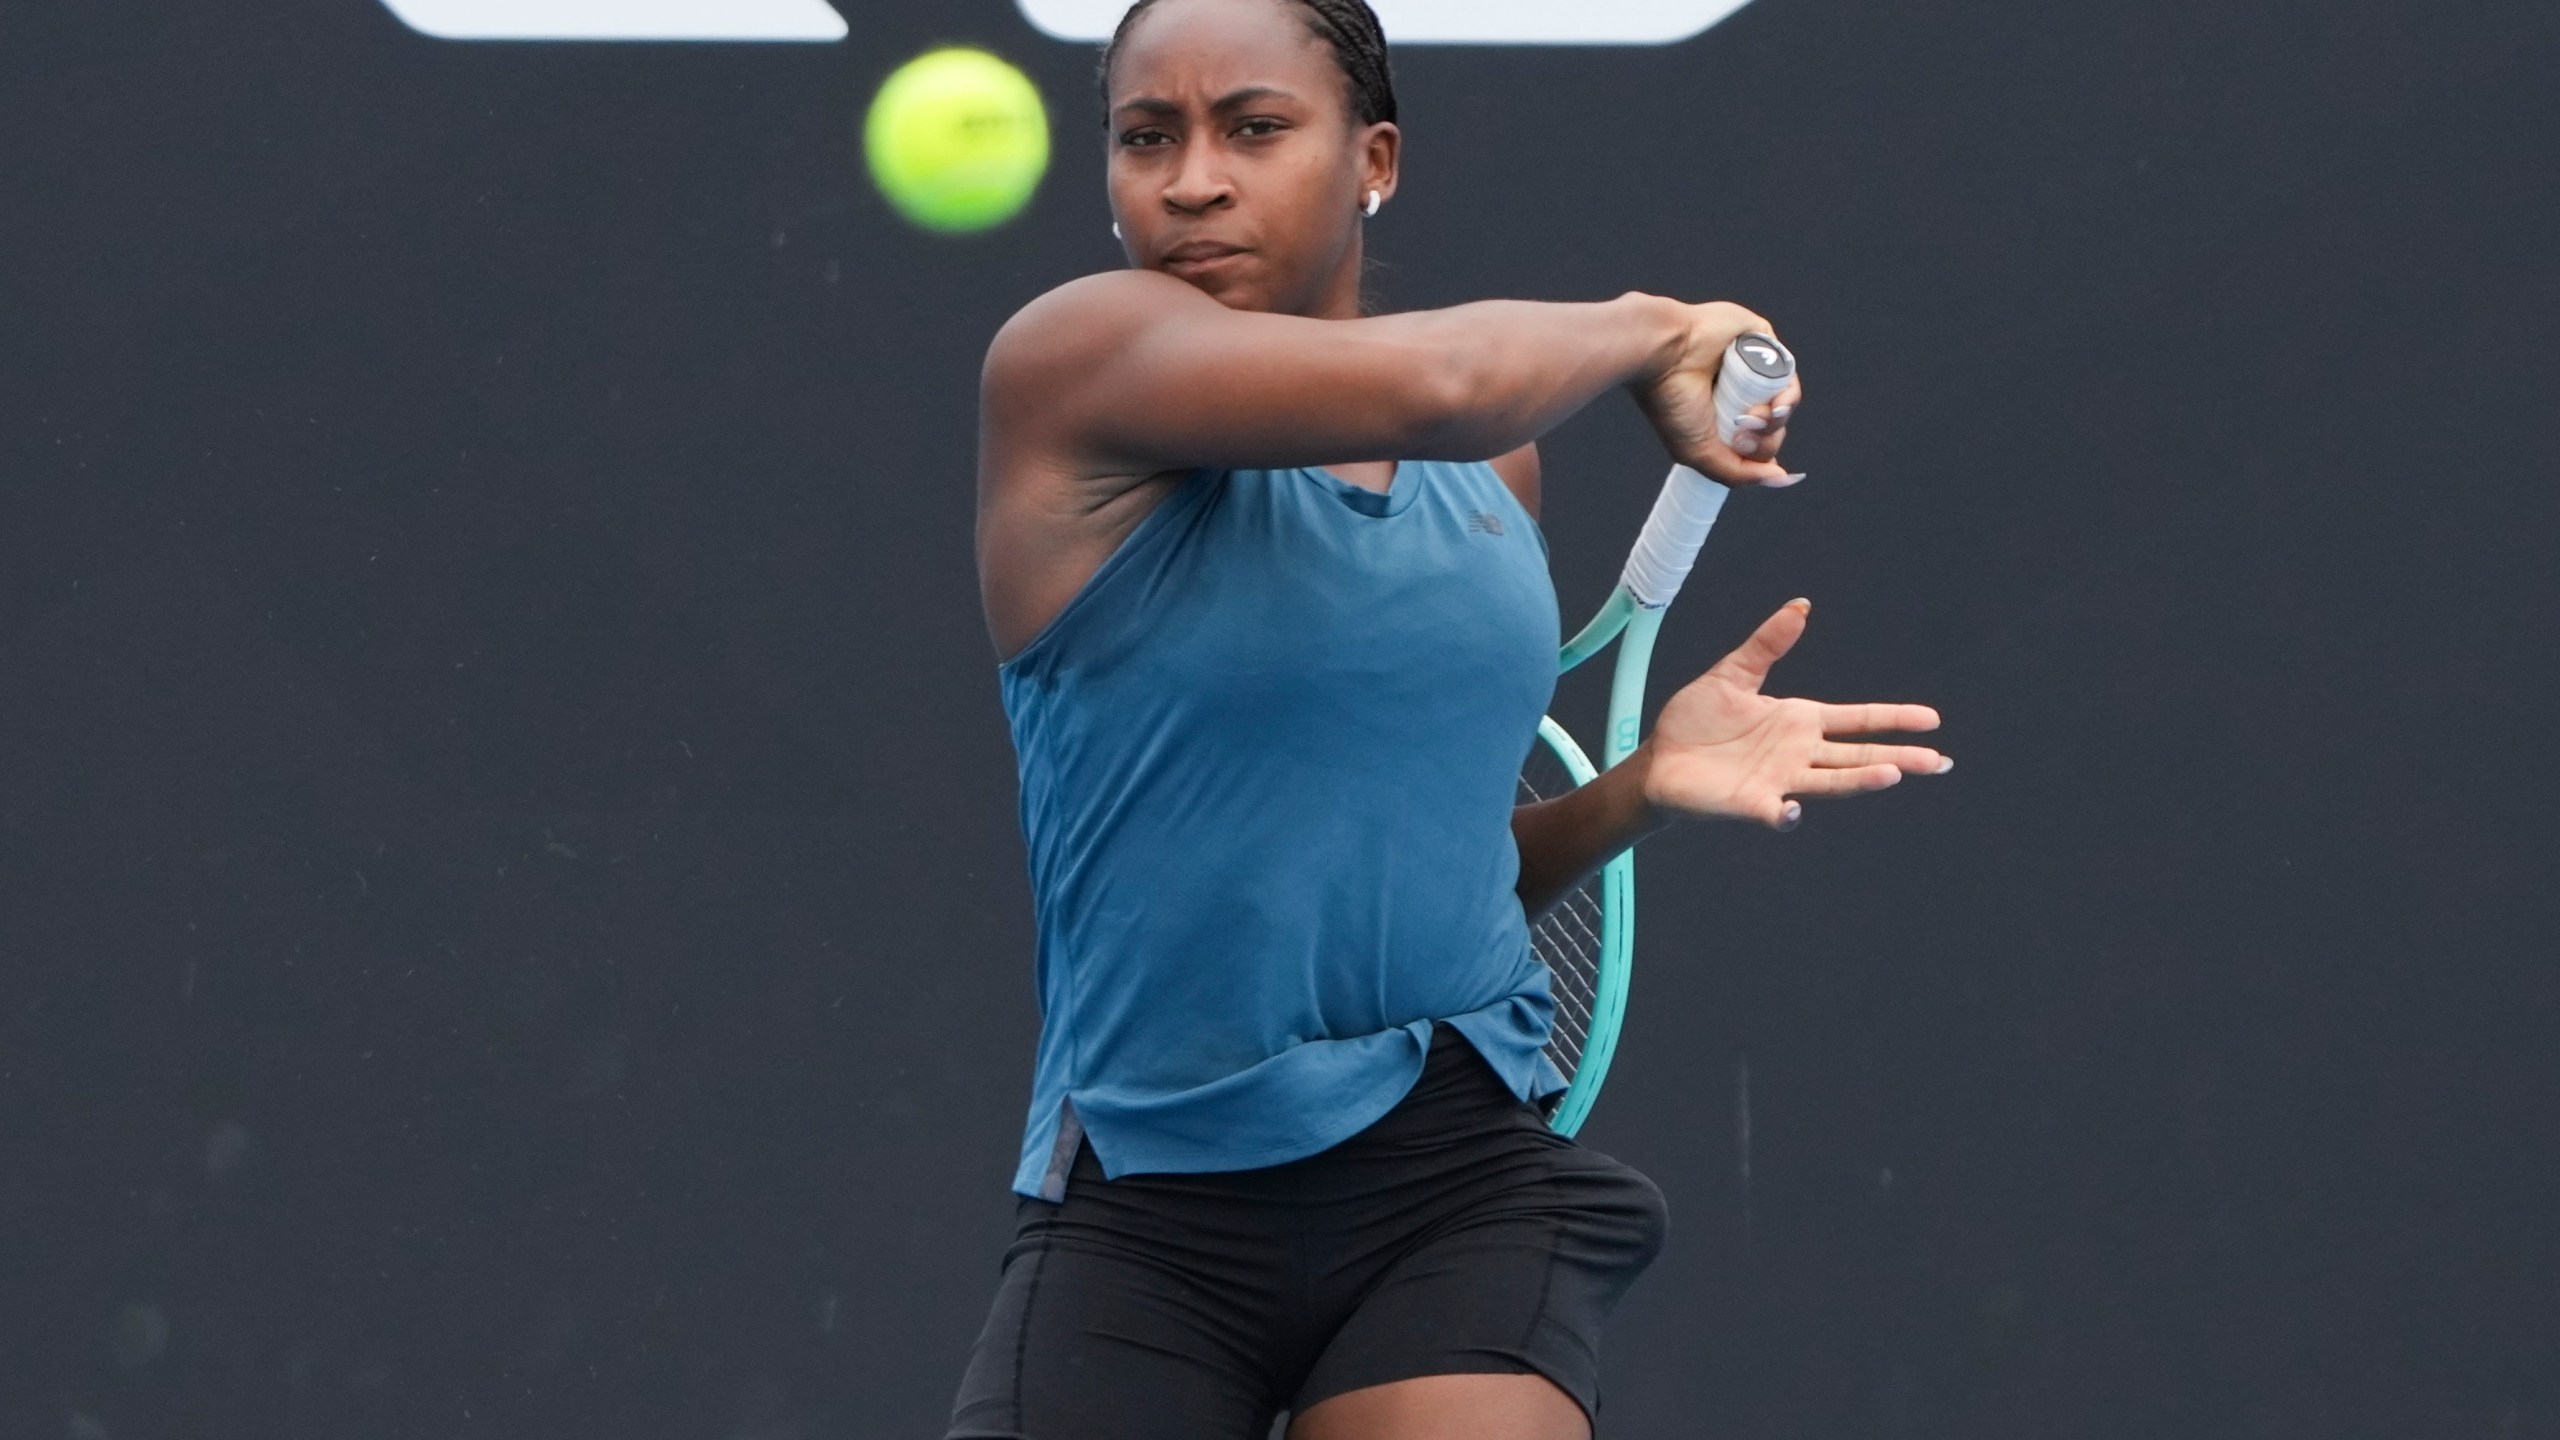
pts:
[1268, 757]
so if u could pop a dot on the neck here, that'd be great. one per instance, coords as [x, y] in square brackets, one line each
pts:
[1339, 296]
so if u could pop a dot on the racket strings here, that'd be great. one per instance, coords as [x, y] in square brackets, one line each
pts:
[1566, 938]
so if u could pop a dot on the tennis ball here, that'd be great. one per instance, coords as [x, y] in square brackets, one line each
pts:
[957, 140]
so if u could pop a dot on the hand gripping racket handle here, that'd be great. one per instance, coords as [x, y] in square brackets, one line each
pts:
[1755, 370]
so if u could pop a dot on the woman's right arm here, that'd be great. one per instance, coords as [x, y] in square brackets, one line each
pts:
[1134, 373]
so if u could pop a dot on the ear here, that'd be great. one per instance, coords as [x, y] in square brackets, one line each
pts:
[1381, 152]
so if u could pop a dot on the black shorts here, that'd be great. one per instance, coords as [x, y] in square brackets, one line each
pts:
[1456, 1236]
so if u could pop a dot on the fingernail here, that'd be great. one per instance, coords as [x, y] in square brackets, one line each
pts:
[1752, 422]
[1784, 481]
[1803, 604]
[1744, 444]
[1790, 816]
[1946, 763]
[1781, 412]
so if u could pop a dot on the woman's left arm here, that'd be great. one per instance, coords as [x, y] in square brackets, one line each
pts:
[1720, 747]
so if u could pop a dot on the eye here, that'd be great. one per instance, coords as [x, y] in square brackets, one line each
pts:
[1259, 127]
[1145, 136]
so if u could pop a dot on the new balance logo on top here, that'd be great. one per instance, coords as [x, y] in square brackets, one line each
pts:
[1483, 523]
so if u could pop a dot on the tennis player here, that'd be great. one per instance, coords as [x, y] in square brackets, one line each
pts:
[1277, 630]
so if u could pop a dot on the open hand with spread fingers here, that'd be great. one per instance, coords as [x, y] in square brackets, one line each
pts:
[1721, 747]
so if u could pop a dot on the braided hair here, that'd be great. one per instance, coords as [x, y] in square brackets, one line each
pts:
[1349, 26]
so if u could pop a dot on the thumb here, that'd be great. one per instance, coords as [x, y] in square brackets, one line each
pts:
[1749, 664]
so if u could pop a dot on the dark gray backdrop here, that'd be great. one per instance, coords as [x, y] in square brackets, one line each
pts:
[513, 924]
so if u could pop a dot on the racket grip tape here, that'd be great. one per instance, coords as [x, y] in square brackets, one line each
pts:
[1668, 545]
[1756, 369]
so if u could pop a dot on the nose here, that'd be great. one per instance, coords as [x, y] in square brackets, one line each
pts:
[1201, 184]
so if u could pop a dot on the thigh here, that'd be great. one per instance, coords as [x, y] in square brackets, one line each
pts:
[1516, 1280]
[1448, 1407]
[1114, 1322]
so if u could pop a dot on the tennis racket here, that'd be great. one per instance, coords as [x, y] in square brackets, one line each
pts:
[1587, 938]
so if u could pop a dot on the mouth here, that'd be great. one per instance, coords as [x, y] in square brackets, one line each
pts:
[1194, 256]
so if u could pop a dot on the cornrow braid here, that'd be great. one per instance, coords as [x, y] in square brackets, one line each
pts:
[1349, 26]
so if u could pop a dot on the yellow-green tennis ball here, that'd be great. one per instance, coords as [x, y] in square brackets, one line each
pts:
[957, 140]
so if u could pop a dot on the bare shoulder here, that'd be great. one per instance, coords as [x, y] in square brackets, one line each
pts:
[1052, 503]
[1520, 470]
[1059, 335]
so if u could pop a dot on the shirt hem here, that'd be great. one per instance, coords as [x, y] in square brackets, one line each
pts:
[1179, 1161]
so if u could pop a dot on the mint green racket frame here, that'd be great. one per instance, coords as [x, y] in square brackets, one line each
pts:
[1634, 627]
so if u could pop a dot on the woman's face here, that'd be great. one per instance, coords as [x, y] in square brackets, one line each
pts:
[1235, 161]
